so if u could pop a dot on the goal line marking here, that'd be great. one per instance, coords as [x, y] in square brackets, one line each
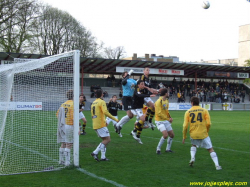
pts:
[100, 178]
[79, 169]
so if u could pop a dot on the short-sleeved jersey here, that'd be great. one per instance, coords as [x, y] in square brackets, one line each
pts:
[138, 98]
[69, 112]
[199, 120]
[161, 110]
[98, 112]
[113, 107]
[146, 81]
[129, 87]
[82, 104]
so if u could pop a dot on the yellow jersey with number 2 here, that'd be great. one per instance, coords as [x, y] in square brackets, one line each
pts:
[69, 112]
[199, 120]
[98, 112]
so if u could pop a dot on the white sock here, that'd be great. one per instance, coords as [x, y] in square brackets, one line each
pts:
[98, 149]
[61, 154]
[170, 140]
[103, 151]
[124, 120]
[193, 152]
[162, 140]
[67, 156]
[214, 158]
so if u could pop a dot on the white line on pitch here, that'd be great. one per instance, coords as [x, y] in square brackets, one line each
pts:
[213, 146]
[100, 178]
[79, 169]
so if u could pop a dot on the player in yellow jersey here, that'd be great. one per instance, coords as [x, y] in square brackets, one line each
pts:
[65, 115]
[199, 120]
[98, 112]
[163, 121]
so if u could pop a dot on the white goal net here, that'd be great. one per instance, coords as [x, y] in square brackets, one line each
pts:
[31, 92]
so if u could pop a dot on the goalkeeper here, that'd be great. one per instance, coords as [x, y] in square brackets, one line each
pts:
[65, 115]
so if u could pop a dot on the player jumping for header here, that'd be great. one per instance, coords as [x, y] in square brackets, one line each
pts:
[139, 94]
[150, 103]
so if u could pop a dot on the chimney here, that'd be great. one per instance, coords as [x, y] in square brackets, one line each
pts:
[135, 55]
[147, 56]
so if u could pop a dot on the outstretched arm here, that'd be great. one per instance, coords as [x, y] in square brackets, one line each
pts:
[124, 81]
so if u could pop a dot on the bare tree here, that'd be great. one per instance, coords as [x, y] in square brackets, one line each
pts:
[115, 53]
[28, 26]
[57, 31]
[16, 28]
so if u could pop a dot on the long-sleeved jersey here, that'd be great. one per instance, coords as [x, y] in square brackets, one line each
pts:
[113, 107]
[138, 98]
[128, 86]
[98, 112]
[199, 120]
[161, 110]
[69, 112]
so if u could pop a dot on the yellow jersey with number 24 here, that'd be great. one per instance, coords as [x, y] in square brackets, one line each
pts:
[199, 120]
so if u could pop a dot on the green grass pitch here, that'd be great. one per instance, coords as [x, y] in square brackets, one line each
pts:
[132, 164]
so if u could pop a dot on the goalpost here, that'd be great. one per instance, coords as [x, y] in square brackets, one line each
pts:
[31, 92]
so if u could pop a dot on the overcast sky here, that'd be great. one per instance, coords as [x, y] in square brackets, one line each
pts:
[164, 27]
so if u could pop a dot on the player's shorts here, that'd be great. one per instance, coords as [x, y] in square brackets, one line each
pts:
[127, 102]
[81, 115]
[205, 143]
[163, 125]
[148, 99]
[69, 129]
[108, 120]
[102, 132]
[138, 113]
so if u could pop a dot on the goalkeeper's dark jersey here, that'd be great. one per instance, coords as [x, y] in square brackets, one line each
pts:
[113, 107]
[138, 98]
[147, 82]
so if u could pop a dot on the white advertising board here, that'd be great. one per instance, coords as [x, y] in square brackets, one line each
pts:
[21, 106]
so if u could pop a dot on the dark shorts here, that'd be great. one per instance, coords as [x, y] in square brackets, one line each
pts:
[127, 102]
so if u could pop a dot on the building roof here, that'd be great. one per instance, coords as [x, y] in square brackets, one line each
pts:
[108, 66]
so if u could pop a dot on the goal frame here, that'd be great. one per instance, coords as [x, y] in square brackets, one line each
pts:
[18, 68]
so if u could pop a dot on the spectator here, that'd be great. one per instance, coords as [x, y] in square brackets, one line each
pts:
[183, 97]
[113, 80]
[201, 96]
[237, 99]
[105, 94]
[120, 94]
[108, 81]
[93, 94]
[243, 94]
[179, 97]
[225, 97]
[174, 82]
[188, 88]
